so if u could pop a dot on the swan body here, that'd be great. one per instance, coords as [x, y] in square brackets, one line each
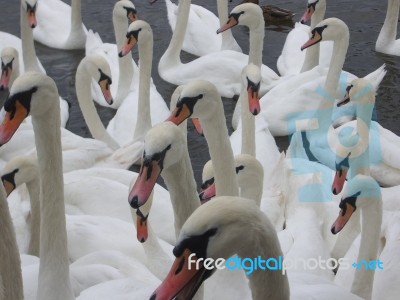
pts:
[386, 42]
[227, 76]
[60, 25]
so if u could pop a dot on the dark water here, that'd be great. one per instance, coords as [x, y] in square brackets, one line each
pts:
[364, 19]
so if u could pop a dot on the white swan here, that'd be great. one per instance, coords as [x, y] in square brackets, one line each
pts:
[386, 42]
[122, 68]
[223, 68]
[228, 226]
[362, 192]
[294, 61]
[295, 101]
[136, 114]
[200, 38]
[10, 67]
[60, 25]
[10, 275]
[41, 99]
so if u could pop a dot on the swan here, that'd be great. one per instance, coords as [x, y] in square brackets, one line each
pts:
[60, 25]
[36, 94]
[294, 61]
[200, 38]
[10, 68]
[228, 226]
[386, 42]
[148, 107]
[296, 100]
[10, 276]
[362, 192]
[123, 68]
[230, 63]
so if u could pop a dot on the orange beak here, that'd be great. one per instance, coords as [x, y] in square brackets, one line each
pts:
[338, 181]
[197, 125]
[207, 193]
[132, 16]
[179, 114]
[5, 78]
[105, 89]
[141, 226]
[316, 38]
[11, 122]
[254, 101]
[128, 46]
[342, 219]
[32, 18]
[231, 23]
[8, 186]
[307, 14]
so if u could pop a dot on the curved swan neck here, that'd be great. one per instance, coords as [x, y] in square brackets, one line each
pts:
[28, 47]
[370, 234]
[92, 119]
[183, 192]
[388, 31]
[216, 134]
[11, 276]
[34, 192]
[248, 126]
[125, 63]
[54, 280]
[143, 121]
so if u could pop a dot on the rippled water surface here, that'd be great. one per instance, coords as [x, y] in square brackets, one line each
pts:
[364, 19]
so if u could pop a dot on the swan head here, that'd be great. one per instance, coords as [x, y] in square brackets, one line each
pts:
[198, 99]
[142, 215]
[251, 77]
[136, 29]
[9, 62]
[342, 167]
[99, 69]
[164, 146]
[360, 192]
[125, 8]
[29, 6]
[248, 169]
[312, 6]
[361, 91]
[33, 94]
[217, 229]
[19, 170]
[246, 14]
[327, 30]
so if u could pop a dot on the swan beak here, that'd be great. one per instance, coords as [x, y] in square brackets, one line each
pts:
[316, 38]
[5, 78]
[128, 46]
[105, 89]
[338, 181]
[231, 23]
[141, 226]
[207, 193]
[179, 114]
[182, 281]
[342, 219]
[307, 15]
[32, 18]
[11, 122]
[8, 186]
[132, 16]
[254, 101]
[144, 184]
[197, 125]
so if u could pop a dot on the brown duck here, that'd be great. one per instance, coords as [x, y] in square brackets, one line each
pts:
[273, 13]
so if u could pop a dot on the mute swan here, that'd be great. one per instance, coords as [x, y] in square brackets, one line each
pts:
[200, 38]
[294, 61]
[148, 107]
[36, 94]
[10, 276]
[60, 25]
[10, 68]
[386, 42]
[228, 226]
[223, 68]
[122, 68]
[296, 100]
[362, 192]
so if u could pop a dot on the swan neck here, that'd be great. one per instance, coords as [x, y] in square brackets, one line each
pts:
[33, 187]
[183, 193]
[54, 282]
[125, 63]
[216, 134]
[389, 29]
[10, 272]
[143, 123]
[226, 36]
[371, 220]
[28, 47]
[76, 17]
[256, 44]
[248, 126]
[92, 119]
